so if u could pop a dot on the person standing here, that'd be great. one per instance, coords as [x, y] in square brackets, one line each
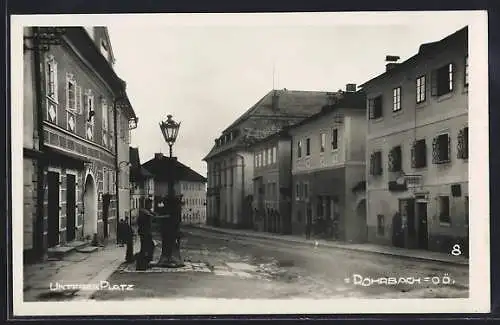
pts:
[120, 233]
[128, 236]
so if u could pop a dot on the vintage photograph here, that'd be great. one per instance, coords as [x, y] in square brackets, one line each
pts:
[320, 162]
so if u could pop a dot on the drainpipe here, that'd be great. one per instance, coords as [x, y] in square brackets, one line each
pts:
[39, 221]
[242, 181]
[115, 118]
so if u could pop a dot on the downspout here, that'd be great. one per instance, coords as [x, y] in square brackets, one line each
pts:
[39, 221]
[115, 118]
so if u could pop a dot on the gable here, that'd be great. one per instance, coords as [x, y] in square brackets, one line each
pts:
[103, 43]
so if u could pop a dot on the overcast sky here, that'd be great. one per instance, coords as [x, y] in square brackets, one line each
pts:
[208, 75]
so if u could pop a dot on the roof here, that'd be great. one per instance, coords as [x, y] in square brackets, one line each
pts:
[159, 166]
[424, 49]
[86, 46]
[137, 172]
[349, 100]
[290, 107]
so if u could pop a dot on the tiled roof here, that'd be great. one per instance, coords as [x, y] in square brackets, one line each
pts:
[349, 100]
[424, 49]
[264, 119]
[159, 166]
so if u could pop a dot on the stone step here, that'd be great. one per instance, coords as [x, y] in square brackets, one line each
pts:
[59, 252]
[87, 249]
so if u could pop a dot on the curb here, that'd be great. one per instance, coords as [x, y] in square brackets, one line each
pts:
[422, 258]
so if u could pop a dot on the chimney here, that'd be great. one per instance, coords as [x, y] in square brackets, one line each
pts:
[350, 88]
[390, 66]
[392, 62]
[158, 155]
[276, 102]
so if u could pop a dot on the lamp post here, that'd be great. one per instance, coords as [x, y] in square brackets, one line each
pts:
[170, 223]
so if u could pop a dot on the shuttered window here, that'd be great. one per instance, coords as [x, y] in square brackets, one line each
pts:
[419, 154]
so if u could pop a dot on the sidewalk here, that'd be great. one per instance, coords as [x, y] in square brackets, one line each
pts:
[368, 248]
[76, 268]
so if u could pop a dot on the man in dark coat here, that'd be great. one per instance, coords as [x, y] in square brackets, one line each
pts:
[121, 233]
[128, 237]
[145, 233]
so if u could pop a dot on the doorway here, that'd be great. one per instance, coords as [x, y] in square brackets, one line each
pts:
[70, 207]
[53, 209]
[407, 211]
[422, 225]
[361, 216]
[90, 207]
[106, 198]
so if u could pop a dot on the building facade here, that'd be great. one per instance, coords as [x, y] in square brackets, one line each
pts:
[141, 186]
[73, 91]
[272, 184]
[188, 184]
[194, 195]
[230, 163]
[328, 161]
[417, 149]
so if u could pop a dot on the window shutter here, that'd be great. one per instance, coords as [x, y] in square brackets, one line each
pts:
[466, 143]
[414, 155]
[449, 148]
[54, 63]
[453, 76]
[371, 108]
[435, 150]
[434, 83]
[422, 153]
[391, 160]
[371, 164]
[78, 101]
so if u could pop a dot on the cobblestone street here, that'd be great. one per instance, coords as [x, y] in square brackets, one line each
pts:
[228, 266]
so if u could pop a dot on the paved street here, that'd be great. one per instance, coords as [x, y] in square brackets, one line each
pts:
[233, 266]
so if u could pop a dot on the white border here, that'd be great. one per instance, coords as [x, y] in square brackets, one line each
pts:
[479, 298]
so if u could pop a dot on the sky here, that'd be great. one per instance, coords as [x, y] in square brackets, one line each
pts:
[207, 74]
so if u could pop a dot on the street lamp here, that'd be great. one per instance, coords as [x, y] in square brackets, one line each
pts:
[170, 223]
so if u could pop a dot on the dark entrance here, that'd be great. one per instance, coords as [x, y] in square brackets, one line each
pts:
[105, 214]
[308, 220]
[70, 207]
[407, 210]
[53, 209]
[422, 225]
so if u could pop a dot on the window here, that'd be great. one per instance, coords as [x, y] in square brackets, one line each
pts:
[104, 107]
[306, 190]
[380, 225]
[442, 80]
[261, 159]
[323, 142]
[444, 209]
[297, 191]
[51, 78]
[299, 149]
[104, 49]
[275, 154]
[441, 149]
[71, 102]
[89, 111]
[421, 89]
[419, 154]
[466, 221]
[256, 160]
[395, 159]
[335, 139]
[308, 147]
[271, 154]
[463, 144]
[105, 180]
[375, 107]
[376, 163]
[396, 99]
[466, 71]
